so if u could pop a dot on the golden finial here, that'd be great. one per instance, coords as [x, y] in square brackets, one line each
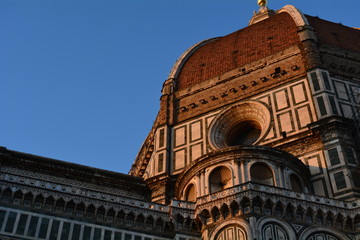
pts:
[262, 3]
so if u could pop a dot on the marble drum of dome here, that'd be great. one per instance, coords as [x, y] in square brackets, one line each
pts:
[230, 167]
[245, 123]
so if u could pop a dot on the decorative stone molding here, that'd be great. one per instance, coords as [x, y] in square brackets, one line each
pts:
[299, 18]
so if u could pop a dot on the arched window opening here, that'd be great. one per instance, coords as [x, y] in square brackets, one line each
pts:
[49, 203]
[120, 217]
[60, 204]
[80, 209]
[322, 235]
[28, 199]
[190, 194]
[17, 197]
[204, 217]
[357, 222]
[295, 183]
[215, 213]
[261, 173]
[234, 207]
[149, 223]
[90, 211]
[130, 218]
[289, 212]
[231, 232]
[220, 179]
[70, 207]
[140, 219]
[110, 216]
[159, 224]
[100, 213]
[225, 212]
[6, 197]
[274, 231]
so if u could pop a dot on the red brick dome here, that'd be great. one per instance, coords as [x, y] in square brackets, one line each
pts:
[336, 34]
[217, 56]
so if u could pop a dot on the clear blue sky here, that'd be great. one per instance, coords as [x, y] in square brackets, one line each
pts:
[81, 79]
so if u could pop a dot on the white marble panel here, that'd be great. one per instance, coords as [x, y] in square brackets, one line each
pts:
[179, 159]
[285, 121]
[271, 134]
[180, 136]
[209, 120]
[346, 110]
[281, 100]
[196, 151]
[319, 187]
[299, 94]
[195, 131]
[341, 90]
[265, 99]
[304, 117]
[313, 163]
[356, 93]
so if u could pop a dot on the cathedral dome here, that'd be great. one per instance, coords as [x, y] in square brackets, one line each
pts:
[271, 34]
[214, 57]
[336, 34]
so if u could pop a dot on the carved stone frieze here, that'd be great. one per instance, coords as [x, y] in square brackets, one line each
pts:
[119, 203]
[62, 188]
[63, 184]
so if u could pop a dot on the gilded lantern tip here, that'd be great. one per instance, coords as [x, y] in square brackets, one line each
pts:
[262, 3]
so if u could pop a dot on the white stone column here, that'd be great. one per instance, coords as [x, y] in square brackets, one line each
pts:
[198, 185]
[242, 171]
[246, 171]
[205, 183]
[280, 177]
[253, 227]
[236, 172]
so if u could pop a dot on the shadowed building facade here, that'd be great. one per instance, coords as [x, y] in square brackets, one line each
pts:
[257, 137]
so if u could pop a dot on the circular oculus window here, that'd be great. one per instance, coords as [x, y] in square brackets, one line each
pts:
[243, 124]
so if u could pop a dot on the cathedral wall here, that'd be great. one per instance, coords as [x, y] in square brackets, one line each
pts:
[291, 110]
[292, 107]
[317, 165]
[336, 97]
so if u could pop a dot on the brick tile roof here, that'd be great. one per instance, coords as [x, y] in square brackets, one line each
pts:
[336, 34]
[239, 48]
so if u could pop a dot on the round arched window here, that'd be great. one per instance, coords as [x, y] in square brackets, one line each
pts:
[274, 231]
[231, 232]
[261, 173]
[190, 194]
[220, 179]
[295, 183]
